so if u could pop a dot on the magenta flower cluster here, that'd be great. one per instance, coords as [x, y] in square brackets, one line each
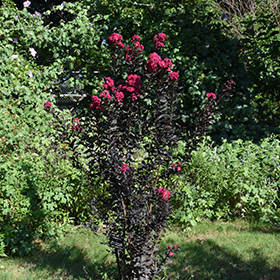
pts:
[228, 85]
[155, 63]
[124, 168]
[96, 103]
[119, 96]
[163, 193]
[135, 38]
[47, 105]
[211, 95]
[173, 76]
[158, 39]
[132, 87]
[129, 52]
[115, 40]
[106, 94]
[109, 84]
[171, 249]
[177, 166]
[76, 125]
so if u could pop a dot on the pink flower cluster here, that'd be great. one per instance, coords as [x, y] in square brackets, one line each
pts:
[228, 85]
[132, 87]
[115, 40]
[173, 76]
[75, 125]
[119, 96]
[109, 84]
[124, 168]
[138, 46]
[129, 52]
[48, 105]
[175, 247]
[155, 63]
[135, 38]
[106, 94]
[26, 4]
[211, 94]
[163, 193]
[177, 166]
[158, 39]
[96, 103]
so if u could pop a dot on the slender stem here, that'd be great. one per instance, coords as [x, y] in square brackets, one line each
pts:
[124, 230]
[157, 176]
[118, 263]
[156, 242]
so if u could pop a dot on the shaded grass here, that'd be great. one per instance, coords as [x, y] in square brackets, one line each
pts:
[234, 250]
[78, 256]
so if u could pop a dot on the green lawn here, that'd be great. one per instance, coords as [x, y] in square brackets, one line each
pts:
[233, 250]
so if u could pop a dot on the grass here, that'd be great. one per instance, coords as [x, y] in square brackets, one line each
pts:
[233, 250]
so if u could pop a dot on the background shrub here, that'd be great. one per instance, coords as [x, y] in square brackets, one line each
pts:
[256, 23]
[238, 179]
[41, 192]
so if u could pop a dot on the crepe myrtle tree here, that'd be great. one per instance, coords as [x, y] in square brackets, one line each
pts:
[134, 113]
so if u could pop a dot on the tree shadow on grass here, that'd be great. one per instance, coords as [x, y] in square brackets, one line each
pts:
[72, 262]
[208, 260]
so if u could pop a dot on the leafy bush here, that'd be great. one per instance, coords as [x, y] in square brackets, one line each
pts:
[40, 191]
[238, 179]
[261, 42]
[137, 102]
[256, 23]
